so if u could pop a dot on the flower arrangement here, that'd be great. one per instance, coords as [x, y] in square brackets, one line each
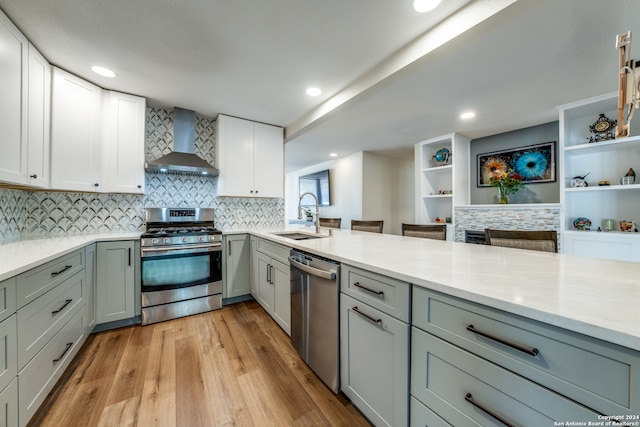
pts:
[507, 183]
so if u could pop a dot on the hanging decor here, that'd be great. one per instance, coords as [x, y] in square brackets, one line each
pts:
[534, 164]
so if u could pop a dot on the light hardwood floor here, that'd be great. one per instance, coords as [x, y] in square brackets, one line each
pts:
[229, 367]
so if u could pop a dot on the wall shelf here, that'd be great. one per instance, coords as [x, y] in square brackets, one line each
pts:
[606, 160]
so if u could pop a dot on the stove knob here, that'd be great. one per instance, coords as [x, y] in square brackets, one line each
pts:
[167, 240]
[155, 241]
[201, 238]
[211, 238]
[184, 240]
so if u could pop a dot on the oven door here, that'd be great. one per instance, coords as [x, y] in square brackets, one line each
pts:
[168, 269]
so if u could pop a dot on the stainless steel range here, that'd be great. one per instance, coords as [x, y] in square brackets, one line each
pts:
[181, 258]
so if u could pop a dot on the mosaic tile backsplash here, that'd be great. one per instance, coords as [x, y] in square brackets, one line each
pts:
[29, 214]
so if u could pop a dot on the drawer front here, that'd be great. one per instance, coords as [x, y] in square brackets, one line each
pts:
[9, 405]
[43, 318]
[7, 298]
[8, 352]
[374, 362]
[384, 293]
[421, 416]
[466, 390]
[279, 252]
[597, 374]
[37, 379]
[37, 281]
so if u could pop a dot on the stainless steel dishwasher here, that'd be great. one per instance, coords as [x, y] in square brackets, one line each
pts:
[314, 314]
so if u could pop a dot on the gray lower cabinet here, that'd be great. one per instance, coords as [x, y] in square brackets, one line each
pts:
[237, 274]
[374, 346]
[471, 365]
[272, 280]
[115, 281]
[51, 326]
[9, 405]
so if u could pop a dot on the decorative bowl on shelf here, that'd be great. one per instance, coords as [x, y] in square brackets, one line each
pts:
[442, 156]
[582, 223]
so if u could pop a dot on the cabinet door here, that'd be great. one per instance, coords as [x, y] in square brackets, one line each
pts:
[13, 102]
[235, 151]
[282, 298]
[9, 405]
[266, 293]
[90, 286]
[268, 161]
[124, 133]
[238, 274]
[75, 133]
[115, 281]
[374, 362]
[39, 119]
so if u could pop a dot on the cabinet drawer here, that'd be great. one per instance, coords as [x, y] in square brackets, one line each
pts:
[281, 253]
[8, 352]
[9, 405]
[7, 298]
[384, 293]
[37, 281]
[444, 376]
[37, 379]
[600, 375]
[43, 318]
[421, 416]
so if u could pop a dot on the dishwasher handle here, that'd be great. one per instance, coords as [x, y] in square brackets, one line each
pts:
[330, 275]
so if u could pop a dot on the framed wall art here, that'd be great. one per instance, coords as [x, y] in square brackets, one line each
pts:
[535, 163]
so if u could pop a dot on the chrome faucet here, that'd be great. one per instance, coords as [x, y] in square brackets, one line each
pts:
[317, 210]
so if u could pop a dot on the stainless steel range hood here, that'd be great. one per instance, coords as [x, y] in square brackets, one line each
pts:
[183, 159]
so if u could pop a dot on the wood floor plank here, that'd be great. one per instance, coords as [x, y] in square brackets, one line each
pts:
[229, 367]
[158, 404]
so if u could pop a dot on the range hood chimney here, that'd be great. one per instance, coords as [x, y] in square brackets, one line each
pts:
[183, 159]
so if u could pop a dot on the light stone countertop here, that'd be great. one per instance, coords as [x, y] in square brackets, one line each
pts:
[595, 297]
[18, 257]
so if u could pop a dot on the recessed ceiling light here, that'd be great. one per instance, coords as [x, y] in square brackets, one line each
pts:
[333, 154]
[467, 115]
[425, 5]
[103, 71]
[313, 91]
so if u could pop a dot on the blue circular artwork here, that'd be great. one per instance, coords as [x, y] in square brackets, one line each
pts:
[531, 165]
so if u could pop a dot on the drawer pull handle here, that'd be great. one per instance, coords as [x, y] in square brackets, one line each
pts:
[56, 273]
[531, 351]
[59, 358]
[364, 288]
[66, 303]
[489, 412]
[373, 319]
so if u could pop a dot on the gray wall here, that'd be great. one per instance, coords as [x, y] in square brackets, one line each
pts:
[533, 193]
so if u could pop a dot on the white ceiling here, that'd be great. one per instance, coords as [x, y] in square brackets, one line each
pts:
[390, 76]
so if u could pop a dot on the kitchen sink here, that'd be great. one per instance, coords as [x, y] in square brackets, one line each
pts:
[297, 236]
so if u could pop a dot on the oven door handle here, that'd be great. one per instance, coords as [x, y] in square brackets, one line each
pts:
[176, 248]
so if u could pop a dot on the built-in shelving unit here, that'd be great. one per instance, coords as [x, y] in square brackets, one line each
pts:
[441, 186]
[606, 160]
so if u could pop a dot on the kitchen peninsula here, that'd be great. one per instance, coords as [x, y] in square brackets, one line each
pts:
[590, 300]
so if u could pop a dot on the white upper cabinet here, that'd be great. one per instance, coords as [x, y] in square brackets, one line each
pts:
[13, 103]
[124, 133]
[76, 118]
[97, 137]
[250, 158]
[39, 141]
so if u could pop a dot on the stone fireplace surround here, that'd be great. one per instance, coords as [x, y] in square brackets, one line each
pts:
[543, 216]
